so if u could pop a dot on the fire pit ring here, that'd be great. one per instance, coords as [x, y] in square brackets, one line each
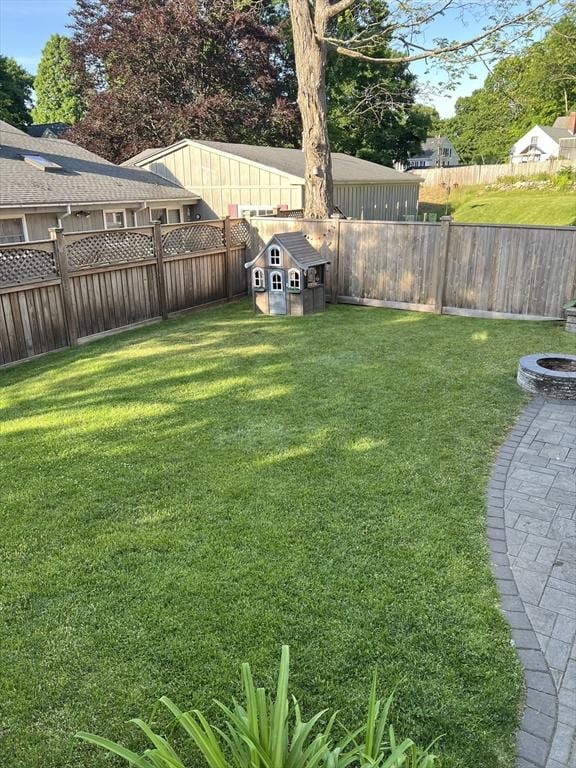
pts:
[550, 375]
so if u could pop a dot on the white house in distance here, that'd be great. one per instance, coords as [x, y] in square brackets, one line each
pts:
[437, 152]
[240, 179]
[543, 142]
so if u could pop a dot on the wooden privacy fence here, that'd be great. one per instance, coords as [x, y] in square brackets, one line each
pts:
[469, 175]
[57, 292]
[469, 269]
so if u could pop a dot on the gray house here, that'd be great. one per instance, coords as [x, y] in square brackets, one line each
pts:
[50, 182]
[239, 179]
[437, 152]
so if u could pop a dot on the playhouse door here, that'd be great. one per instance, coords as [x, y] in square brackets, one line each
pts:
[277, 294]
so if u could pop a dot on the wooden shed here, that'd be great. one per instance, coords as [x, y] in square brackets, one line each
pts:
[287, 276]
[240, 179]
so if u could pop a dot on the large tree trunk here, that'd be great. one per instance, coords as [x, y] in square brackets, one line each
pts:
[310, 57]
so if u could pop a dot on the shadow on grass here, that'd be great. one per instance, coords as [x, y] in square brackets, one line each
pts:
[189, 495]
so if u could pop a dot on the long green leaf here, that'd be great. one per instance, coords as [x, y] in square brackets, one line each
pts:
[117, 749]
[279, 720]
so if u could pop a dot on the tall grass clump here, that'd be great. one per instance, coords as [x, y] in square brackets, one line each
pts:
[267, 732]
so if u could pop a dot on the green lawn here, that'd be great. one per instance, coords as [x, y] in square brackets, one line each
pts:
[182, 498]
[514, 206]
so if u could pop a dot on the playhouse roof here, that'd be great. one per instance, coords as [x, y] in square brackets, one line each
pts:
[299, 248]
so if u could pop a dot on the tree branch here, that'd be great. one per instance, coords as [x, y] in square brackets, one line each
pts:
[333, 9]
[340, 48]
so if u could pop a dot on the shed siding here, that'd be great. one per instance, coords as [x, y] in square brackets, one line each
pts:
[39, 223]
[384, 202]
[221, 180]
[84, 223]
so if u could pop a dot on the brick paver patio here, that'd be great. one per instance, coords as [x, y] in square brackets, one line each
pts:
[532, 535]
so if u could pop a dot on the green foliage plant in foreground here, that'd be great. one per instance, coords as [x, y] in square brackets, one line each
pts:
[264, 733]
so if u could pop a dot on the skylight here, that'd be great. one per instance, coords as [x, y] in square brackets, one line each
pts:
[41, 164]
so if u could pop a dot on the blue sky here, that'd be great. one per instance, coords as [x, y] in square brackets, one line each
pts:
[25, 25]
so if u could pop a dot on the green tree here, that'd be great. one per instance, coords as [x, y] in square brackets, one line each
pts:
[15, 93]
[533, 87]
[370, 106]
[57, 97]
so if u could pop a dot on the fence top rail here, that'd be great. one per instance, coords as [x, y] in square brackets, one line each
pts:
[344, 221]
[371, 222]
[30, 244]
[73, 236]
[557, 227]
[216, 223]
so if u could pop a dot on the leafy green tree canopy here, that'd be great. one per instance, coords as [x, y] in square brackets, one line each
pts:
[57, 96]
[15, 93]
[371, 110]
[533, 87]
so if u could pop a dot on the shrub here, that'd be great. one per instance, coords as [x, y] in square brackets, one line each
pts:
[267, 733]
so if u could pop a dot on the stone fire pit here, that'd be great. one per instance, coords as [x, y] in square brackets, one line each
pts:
[548, 375]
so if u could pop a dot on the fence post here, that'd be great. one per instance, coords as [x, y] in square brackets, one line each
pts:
[68, 307]
[227, 234]
[336, 264]
[441, 264]
[160, 277]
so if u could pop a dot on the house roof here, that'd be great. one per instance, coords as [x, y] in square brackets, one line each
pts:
[430, 146]
[142, 156]
[299, 248]
[555, 133]
[39, 129]
[84, 177]
[346, 169]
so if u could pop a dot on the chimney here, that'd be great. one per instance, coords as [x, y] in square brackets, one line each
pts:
[571, 123]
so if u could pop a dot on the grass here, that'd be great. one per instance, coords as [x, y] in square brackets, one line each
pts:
[188, 496]
[512, 206]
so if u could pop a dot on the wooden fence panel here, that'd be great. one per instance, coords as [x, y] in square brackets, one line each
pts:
[470, 269]
[105, 299]
[469, 175]
[31, 321]
[388, 263]
[524, 271]
[194, 280]
[84, 284]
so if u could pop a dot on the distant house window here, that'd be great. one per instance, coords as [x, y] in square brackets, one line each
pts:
[258, 279]
[294, 279]
[255, 210]
[277, 282]
[114, 219]
[12, 230]
[445, 151]
[533, 142]
[274, 256]
[166, 215]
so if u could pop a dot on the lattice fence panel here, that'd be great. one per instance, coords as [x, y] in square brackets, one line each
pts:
[109, 248]
[240, 233]
[25, 265]
[200, 237]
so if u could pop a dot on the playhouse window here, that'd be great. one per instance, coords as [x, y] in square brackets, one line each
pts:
[294, 280]
[274, 256]
[276, 281]
[258, 279]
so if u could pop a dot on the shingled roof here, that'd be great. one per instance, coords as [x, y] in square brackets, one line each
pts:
[346, 169]
[83, 177]
[299, 248]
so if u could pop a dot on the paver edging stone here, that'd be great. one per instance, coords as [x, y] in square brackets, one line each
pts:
[539, 720]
